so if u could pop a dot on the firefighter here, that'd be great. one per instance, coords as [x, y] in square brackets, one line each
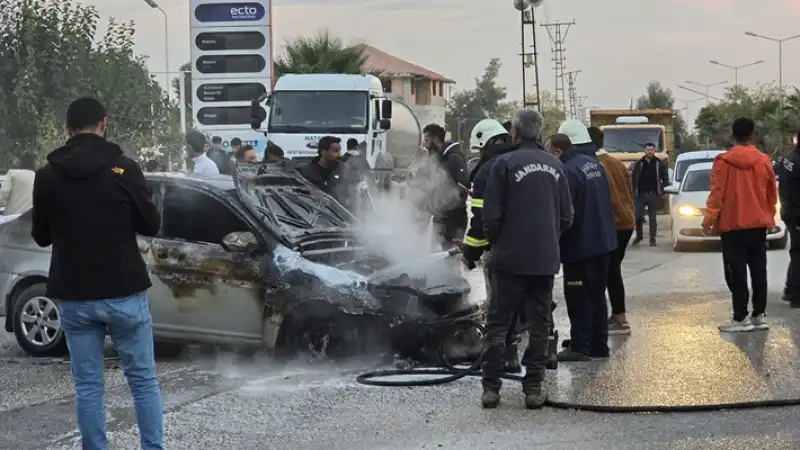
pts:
[491, 139]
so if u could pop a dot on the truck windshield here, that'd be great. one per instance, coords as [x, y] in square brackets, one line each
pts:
[319, 112]
[632, 140]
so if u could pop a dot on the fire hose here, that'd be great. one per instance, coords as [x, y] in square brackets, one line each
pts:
[449, 373]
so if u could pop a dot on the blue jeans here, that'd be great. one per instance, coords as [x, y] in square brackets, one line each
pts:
[127, 320]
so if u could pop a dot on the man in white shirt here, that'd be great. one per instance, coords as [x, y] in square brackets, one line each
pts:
[196, 152]
[16, 194]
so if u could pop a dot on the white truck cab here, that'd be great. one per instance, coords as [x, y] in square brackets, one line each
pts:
[302, 108]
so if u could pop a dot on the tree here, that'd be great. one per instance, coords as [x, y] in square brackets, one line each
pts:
[467, 108]
[48, 57]
[322, 53]
[761, 104]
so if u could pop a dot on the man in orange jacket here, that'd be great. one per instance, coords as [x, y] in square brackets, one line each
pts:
[741, 208]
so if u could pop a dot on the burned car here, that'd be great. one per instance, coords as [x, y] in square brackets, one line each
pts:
[260, 259]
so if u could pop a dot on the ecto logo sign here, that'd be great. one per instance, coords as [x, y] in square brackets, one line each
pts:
[244, 13]
[230, 12]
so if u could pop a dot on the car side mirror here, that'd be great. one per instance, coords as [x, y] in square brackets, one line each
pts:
[671, 190]
[239, 242]
[385, 124]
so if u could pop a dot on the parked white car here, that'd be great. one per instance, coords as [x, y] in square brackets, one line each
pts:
[689, 203]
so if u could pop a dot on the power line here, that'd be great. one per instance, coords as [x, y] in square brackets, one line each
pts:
[558, 34]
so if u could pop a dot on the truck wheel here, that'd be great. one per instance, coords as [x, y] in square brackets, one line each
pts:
[37, 323]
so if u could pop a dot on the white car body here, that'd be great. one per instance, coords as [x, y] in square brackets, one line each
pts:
[686, 160]
[689, 204]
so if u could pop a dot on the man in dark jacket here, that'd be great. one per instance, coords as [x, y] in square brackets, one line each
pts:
[89, 202]
[351, 178]
[320, 170]
[650, 176]
[491, 139]
[221, 158]
[585, 252]
[450, 211]
[789, 192]
[526, 208]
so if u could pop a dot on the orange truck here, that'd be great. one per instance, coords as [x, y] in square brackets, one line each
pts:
[628, 130]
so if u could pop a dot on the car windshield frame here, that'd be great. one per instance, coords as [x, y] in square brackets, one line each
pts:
[701, 174]
[308, 113]
[686, 164]
[292, 206]
[612, 143]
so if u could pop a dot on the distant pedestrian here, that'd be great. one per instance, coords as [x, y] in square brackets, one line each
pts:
[741, 208]
[220, 157]
[89, 202]
[789, 189]
[586, 249]
[236, 144]
[526, 208]
[320, 170]
[619, 183]
[16, 194]
[450, 198]
[246, 153]
[195, 152]
[650, 176]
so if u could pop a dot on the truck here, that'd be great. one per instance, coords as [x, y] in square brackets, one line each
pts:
[302, 108]
[628, 130]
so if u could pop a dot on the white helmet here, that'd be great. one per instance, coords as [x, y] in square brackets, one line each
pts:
[484, 131]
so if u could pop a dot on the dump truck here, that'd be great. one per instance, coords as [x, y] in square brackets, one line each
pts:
[628, 130]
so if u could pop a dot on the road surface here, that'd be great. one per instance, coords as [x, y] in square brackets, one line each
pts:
[675, 356]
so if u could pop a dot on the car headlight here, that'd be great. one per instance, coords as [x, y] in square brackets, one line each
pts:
[687, 210]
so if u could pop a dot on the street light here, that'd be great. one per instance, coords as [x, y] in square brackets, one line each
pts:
[780, 66]
[154, 5]
[736, 68]
[705, 95]
[705, 86]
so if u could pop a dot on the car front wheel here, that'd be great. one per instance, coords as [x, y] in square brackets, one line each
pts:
[37, 323]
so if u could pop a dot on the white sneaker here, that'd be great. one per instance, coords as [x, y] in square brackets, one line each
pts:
[737, 327]
[760, 322]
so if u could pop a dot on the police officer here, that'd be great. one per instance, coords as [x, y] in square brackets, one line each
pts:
[491, 139]
[789, 192]
[526, 207]
[585, 251]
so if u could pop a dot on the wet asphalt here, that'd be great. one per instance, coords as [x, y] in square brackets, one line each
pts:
[674, 356]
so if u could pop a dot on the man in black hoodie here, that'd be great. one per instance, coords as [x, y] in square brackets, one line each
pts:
[89, 202]
[449, 211]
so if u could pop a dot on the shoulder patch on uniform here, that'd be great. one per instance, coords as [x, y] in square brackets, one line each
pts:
[118, 170]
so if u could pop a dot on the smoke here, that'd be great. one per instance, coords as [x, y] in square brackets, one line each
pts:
[398, 225]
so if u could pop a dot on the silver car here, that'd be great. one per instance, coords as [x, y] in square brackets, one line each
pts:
[267, 261]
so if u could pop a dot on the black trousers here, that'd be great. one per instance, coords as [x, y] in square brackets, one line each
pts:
[585, 294]
[652, 202]
[615, 284]
[515, 330]
[512, 293]
[792, 287]
[449, 228]
[742, 250]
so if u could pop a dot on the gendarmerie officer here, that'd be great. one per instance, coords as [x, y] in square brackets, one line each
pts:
[526, 207]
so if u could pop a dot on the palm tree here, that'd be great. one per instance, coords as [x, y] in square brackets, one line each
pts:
[322, 53]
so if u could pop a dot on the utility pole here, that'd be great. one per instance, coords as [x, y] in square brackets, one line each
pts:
[572, 76]
[582, 109]
[558, 34]
[530, 60]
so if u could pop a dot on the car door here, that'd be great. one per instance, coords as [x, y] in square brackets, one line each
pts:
[207, 294]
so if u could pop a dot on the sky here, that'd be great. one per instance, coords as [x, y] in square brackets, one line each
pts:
[619, 45]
